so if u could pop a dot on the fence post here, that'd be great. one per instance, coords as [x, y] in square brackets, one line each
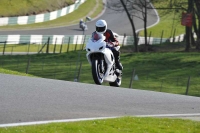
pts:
[4, 47]
[68, 44]
[48, 41]
[76, 43]
[83, 42]
[123, 39]
[61, 45]
[54, 50]
[188, 86]
[179, 37]
[42, 64]
[28, 65]
[12, 50]
[79, 72]
[149, 37]
[133, 75]
[174, 35]
[28, 48]
[161, 36]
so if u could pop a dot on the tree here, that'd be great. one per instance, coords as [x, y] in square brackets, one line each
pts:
[189, 29]
[192, 7]
[132, 9]
[197, 26]
[121, 5]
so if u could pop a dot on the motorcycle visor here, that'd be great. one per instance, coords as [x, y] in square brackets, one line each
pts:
[100, 29]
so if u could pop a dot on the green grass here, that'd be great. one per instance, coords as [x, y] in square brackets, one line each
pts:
[69, 19]
[166, 72]
[6, 71]
[40, 47]
[29, 7]
[170, 22]
[117, 125]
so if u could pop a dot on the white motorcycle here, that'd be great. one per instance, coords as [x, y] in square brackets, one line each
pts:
[102, 62]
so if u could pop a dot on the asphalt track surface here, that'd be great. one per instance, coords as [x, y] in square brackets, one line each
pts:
[117, 21]
[28, 99]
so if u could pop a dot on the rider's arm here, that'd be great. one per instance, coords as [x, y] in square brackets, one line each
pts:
[112, 38]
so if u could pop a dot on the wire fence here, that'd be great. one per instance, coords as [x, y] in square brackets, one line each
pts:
[64, 43]
[80, 71]
[186, 85]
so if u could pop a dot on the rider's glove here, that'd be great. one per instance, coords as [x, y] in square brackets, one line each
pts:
[109, 44]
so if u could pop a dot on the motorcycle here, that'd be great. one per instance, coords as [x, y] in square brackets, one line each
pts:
[83, 26]
[102, 62]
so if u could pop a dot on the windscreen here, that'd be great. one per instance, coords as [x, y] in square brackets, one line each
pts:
[96, 37]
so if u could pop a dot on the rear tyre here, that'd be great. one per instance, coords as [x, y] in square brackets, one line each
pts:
[96, 73]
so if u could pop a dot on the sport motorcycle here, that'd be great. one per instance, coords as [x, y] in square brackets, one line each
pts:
[102, 62]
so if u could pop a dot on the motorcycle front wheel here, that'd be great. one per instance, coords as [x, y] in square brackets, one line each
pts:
[96, 73]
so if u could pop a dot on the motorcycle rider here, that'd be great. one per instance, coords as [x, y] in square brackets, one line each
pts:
[80, 22]
[112, 42]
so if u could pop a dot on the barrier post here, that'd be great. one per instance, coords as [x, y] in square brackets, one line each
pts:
[48, 41]
[28, 48]
[79, 72]
[149, 38]
[123, 39]
[188, 86]
[161, 37]
[54, 50]
[68, 44]
[83, 42]
[174, 35]
[4, 47]
[28, 65]
[61, 45]
[76, 43]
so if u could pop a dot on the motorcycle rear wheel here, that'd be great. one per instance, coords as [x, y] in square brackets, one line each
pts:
[96, 73]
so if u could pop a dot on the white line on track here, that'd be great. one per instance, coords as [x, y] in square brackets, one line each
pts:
[52, 121]
[171, 115]
[97, 118]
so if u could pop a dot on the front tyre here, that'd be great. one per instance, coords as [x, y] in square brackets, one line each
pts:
[96, 73]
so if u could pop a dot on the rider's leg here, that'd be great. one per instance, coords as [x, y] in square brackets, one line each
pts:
[117, 59]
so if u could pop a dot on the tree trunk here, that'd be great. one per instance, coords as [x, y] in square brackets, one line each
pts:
[197, 29]
[145, 27]
[189, 29]
[133, 26]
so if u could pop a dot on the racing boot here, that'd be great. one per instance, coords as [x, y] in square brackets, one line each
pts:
[117, 60]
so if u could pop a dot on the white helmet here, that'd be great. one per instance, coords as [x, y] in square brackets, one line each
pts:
[101, 26]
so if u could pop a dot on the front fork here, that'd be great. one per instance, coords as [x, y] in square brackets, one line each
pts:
[100, 58]
[102, 68]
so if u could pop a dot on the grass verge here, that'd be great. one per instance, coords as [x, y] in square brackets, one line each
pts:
[9, 8]
[69, 19]
[170, 21]
[6, 71]
[166, 72]
[117, 125]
